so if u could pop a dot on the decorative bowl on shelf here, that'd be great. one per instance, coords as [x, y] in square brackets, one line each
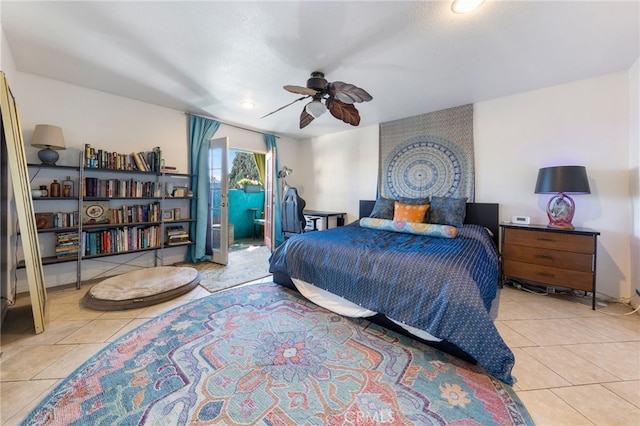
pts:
[36, 193]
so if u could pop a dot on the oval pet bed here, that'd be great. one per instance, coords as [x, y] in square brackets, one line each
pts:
[141, 288]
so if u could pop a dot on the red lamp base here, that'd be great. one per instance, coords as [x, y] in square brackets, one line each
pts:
[560, 210]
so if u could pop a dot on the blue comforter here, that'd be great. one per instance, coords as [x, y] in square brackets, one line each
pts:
[442, 286]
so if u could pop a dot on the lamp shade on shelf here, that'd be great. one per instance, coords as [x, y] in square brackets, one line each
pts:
[49, 138]
[562, 180]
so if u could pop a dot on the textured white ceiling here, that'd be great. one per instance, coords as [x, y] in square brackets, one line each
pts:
[412, 57]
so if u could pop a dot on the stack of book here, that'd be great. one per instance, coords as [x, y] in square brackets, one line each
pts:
[67, 244]
[177, 236]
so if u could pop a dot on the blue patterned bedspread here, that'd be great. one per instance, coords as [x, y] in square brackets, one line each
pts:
[442, 286]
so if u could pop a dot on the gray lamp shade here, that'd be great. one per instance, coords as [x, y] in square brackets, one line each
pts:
[49, 138]
[563, 179]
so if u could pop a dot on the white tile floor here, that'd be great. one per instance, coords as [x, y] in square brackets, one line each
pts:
[574, 366]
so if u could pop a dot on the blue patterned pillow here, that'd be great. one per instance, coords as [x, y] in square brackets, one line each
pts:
[428, 229]
[383, 208]
[448, 211]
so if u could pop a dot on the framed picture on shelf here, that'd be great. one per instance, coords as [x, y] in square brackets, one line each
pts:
[167, 214]
[44, 220]
[95, 212]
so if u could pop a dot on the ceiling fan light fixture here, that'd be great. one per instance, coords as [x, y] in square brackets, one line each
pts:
[465, 6]
[337, 97]
[315, 108]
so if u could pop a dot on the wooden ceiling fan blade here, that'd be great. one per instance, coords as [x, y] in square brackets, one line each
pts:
[305, 118]
[300, 90]
[345, 112]
[283, 107]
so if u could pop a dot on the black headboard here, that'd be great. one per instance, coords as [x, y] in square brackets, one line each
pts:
[485, 214]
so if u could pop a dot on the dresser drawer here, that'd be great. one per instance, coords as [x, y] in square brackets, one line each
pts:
[550, 240]
[549, 275]
[540, 256]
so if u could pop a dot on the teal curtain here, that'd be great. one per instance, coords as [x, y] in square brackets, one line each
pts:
[201, 131]
[278, 239]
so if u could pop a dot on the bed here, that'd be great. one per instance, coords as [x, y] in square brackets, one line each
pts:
[439, 290]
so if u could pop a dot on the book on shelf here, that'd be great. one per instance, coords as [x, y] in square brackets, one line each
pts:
[155, 158]
[179, 243]
[178, 239]
[176, 235]
[67, 244]
[121, 240]
[120, 188]
[138, 160]
[142, 161]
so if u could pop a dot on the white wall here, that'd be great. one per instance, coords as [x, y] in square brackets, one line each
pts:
[340, 170]
[105, 121]
[116, 124]
[7, 65]
[634, 174]
[584, 123]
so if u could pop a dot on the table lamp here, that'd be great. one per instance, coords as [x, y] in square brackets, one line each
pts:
[50, 139]
[562, 180]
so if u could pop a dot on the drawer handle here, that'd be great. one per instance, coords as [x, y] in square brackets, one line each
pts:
[543, 256]
[545, 274]
[550, 240]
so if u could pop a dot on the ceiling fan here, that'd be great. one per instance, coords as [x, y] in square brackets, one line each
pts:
[338, 98]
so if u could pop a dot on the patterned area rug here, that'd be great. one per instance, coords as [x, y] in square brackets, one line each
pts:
[261, 354]
[244, 265]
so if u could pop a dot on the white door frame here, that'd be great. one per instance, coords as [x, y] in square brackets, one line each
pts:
[219, 199]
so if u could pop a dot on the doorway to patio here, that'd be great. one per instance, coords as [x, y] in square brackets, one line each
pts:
[246, 199]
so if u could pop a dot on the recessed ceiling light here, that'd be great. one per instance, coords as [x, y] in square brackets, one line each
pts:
[247, 104]
[464, 6]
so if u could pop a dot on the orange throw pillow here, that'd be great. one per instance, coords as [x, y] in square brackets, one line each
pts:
[409, 212]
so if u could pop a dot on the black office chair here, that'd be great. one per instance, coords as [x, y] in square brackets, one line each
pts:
[293, 220]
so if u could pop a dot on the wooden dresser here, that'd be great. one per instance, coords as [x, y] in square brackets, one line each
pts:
[556, 257]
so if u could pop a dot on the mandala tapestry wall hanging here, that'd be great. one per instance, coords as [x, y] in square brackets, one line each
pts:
[428, 155]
